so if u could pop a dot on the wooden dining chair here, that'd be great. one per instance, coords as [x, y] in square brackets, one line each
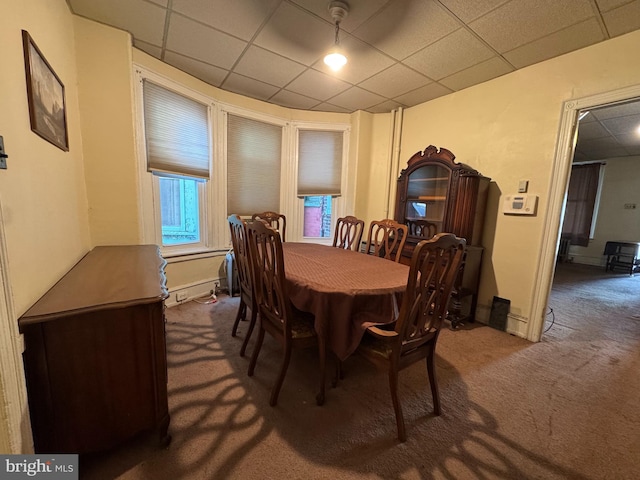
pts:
[276, 220]
[386, 239]
[291, 327]
[435, 263]
[348, 233]
[243, 263]
[422, 228]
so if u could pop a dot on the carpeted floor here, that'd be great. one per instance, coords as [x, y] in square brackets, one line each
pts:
[567, 407]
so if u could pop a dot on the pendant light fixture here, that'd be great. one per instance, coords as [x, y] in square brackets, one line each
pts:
[336, 59]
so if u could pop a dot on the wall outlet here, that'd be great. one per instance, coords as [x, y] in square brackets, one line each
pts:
[181, 296]
[629, 206]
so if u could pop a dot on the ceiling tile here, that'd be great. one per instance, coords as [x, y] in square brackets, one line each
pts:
[622, 125]
[423, 94]
[588, 131]
[468, 11]
[163, 3]
[249, 86]
[522, 21]
[492, 68]
[618, 110]
[385, 107]
[205, 72]
[597, 144]
[629, 140]
[359, 11]
[394, 81]
[327, 107]
[606, 5]
[296, 35]
[356, 99]
[144, 20]
[451, 54]
[268, 67]
[294, 100]
[623, 19]
[363, 61]
[315, 84]
[195, 40]
[571, 38]
[240, 18]
[401, 28]
[152, 50]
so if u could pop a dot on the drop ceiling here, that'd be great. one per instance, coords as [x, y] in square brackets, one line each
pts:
[401, 52]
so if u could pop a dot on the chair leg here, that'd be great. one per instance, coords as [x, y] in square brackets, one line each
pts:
[433, 381]
[283, 371]
[256, 351]
[393, 386]
[252, 323]
[242, 312]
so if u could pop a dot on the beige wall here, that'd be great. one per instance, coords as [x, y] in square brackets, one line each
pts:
[508, 129]
[42, 193]
[56, 204]
[621, 185]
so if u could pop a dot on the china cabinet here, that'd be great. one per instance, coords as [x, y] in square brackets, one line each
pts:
[436, 194]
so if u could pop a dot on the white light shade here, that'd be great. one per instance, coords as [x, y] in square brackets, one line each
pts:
[335, 59]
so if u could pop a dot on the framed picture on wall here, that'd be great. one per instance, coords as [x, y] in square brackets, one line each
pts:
[45, 93]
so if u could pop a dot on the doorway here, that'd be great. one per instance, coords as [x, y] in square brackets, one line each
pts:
[560, 174]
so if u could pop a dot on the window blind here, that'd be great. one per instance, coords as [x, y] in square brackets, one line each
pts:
[254, 152]
[319, 162]
[176, 133]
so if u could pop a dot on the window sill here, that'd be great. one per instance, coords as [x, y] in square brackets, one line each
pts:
[187, 256]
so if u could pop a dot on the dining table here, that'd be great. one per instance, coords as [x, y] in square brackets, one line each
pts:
[345, 290]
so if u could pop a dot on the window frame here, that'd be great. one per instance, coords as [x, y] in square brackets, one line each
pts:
[212, 194]
[339, 204]
[149, 183]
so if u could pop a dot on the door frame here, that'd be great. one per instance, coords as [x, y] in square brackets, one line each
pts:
[559, 182]
[12, 383]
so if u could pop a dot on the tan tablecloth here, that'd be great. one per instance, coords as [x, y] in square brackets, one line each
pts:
[345, 290]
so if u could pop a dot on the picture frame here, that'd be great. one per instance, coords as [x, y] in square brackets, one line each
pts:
[45, 94]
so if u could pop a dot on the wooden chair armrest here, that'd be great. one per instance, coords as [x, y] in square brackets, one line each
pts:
[380, 333]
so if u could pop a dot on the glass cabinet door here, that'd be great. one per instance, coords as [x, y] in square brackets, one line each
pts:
[427, 189]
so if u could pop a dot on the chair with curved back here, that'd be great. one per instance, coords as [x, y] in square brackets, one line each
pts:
[386, 239]
[274, 219]
[278, 316]
[435, 264]
[348, 233]
[241, 253]
[422, 228]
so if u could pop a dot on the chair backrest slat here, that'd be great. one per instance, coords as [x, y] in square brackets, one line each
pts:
[241, 252]
[386, 239]
[422, 228]
[274, 219]
[265, 246]
[348, 233]
[435, 264]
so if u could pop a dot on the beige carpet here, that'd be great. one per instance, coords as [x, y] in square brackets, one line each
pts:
[565, 408]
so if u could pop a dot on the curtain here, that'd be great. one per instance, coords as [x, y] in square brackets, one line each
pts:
[581, 199]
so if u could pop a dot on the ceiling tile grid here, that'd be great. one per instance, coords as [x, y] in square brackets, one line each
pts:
[401, 52]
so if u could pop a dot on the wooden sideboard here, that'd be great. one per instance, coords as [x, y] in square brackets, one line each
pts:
[95, 353]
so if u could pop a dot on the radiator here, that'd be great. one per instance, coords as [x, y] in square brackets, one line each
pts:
[232, 274]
